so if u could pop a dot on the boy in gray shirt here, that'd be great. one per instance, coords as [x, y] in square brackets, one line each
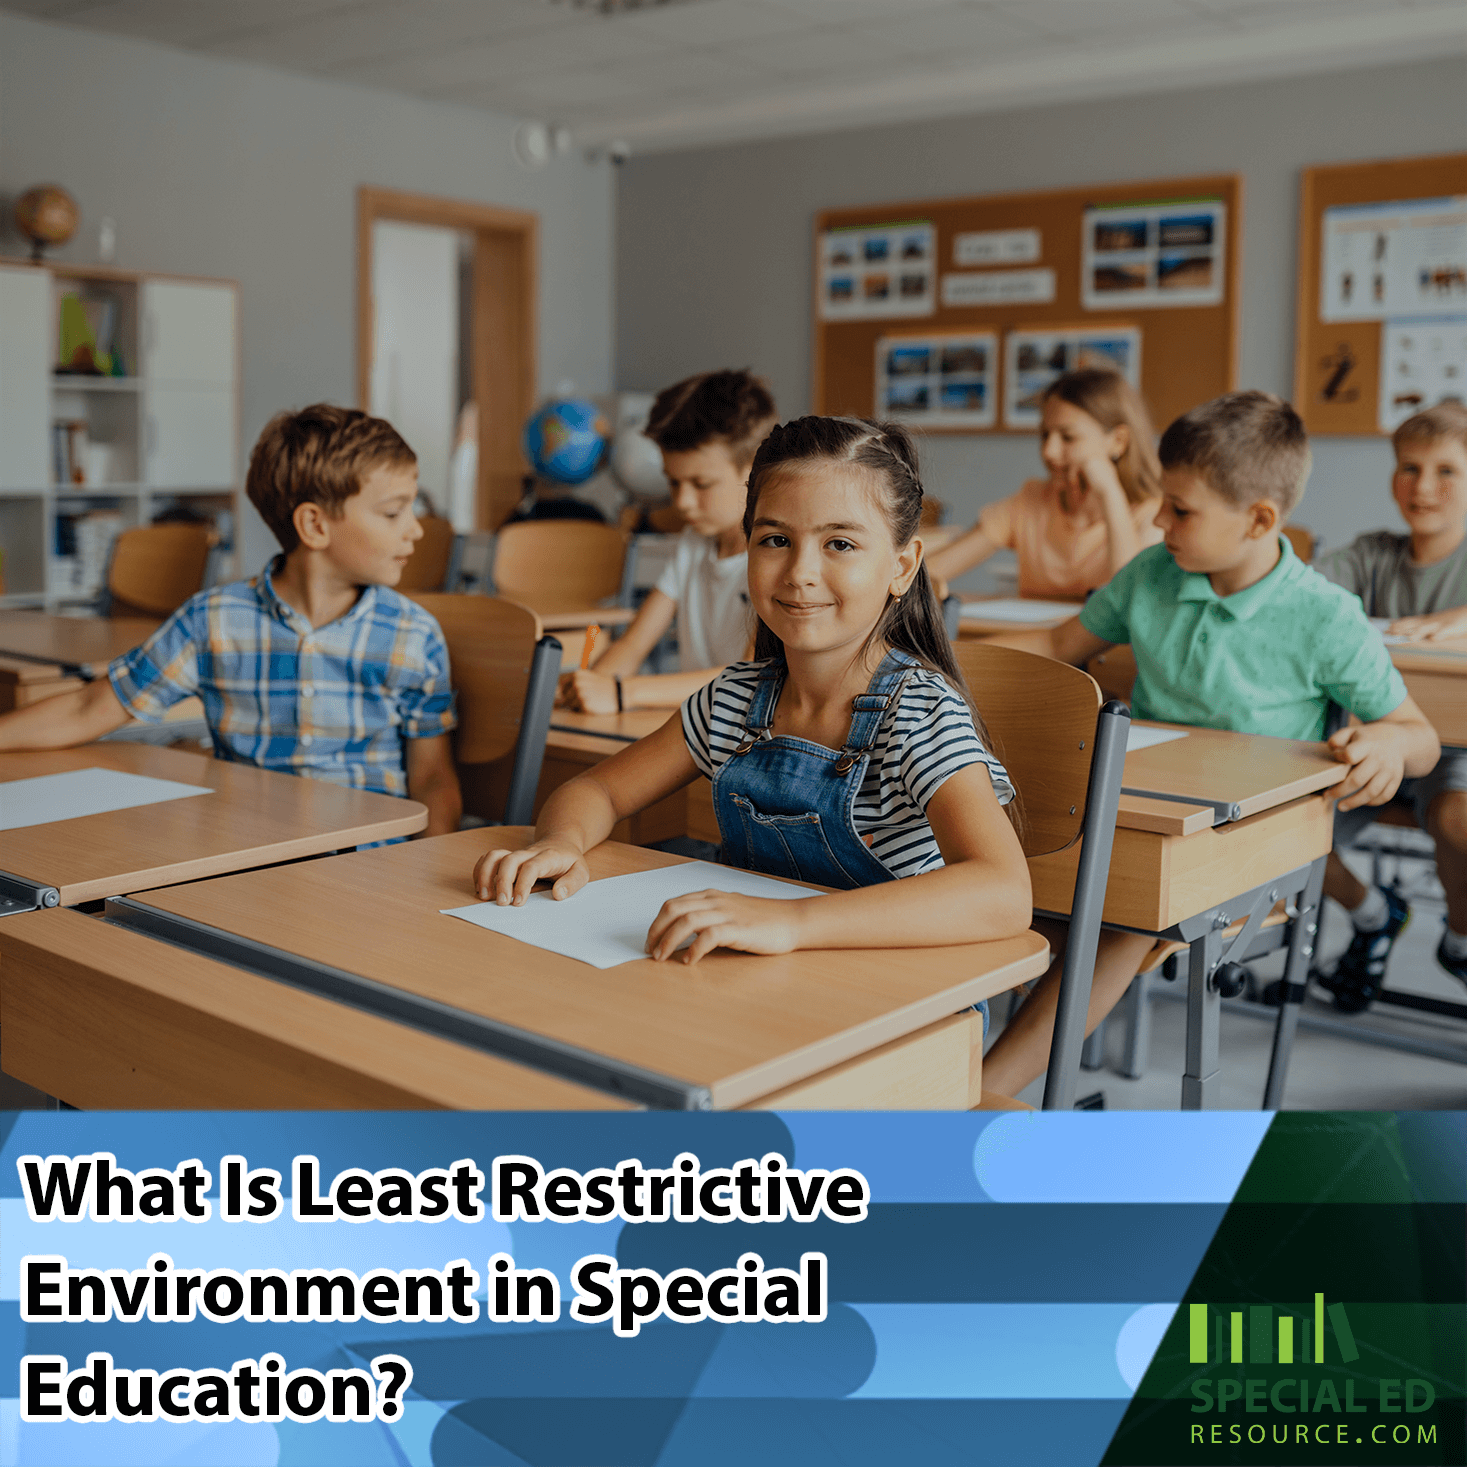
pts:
[1419, 581]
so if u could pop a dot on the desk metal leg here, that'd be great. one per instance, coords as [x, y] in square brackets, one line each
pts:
[1296, 977]
[1204, 1015]
[1092, 1056]
[1138, 1029]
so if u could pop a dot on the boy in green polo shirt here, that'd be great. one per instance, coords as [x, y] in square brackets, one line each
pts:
[1419, 582]
[1230, 630]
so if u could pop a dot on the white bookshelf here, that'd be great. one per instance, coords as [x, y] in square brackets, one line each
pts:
[169, 428]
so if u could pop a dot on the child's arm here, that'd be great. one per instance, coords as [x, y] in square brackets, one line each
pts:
[594, 691]
[971, 548]
[1123, 540]
[433, 781]
[65, 720]
[581, 814]
[1440, 626]
[982, 893]
[1400, 745]
[1068, 642]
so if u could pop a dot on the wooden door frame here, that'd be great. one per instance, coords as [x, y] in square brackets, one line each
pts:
[506, 255]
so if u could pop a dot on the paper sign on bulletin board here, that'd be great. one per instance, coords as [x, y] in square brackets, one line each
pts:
[1382, 305]
[1001, 264]
[938, 380]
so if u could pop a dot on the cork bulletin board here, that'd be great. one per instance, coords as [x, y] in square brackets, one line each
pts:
[951, 314]
[1381, 265]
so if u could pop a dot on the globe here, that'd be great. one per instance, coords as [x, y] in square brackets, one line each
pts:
[637, 462]
[46, 215]
[566, 440]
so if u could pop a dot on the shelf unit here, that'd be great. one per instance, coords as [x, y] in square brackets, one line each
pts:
[164, 436]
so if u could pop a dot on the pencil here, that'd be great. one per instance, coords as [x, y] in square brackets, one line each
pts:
[591, 632]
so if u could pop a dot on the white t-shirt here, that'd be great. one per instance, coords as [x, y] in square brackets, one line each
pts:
[928, 739]
[714, 623]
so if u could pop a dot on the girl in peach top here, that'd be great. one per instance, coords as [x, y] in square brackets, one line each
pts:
[1075, 529]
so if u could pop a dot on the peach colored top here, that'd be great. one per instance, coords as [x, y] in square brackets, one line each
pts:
[1060, 554]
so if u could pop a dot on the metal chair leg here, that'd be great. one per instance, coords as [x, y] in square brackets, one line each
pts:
[1138, 1027]
[1092, 1055]
[1296, 976]
[1200, 1082]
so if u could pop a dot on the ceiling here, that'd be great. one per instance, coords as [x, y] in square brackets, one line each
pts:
[689, 72]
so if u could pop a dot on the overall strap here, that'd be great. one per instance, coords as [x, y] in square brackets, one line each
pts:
[760, 714]
[870, 709]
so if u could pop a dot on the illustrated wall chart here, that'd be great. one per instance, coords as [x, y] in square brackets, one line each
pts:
[1422, 361]
[1393, 259]
[1034, 358]
[1153, 255]
[878, 271]
[942, 380]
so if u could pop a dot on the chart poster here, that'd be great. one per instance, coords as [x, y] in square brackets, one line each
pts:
[1423, 361]
[1153, 255]
[1034, 358]
[998, 287]
[997, 247]
[875, 271]
[675, 1289]
[943, 380]
[1385, 260]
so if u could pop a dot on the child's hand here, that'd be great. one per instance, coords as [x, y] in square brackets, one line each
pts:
[1441, 626]
[1374, 751]
[587, 692]
[1099, 473]
[507, 877]
[721, 919]
[939, 585]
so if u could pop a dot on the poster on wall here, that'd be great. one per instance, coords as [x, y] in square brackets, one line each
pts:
[997, 247]
[943, 380]
[998, 287]
[873, 271]
[1383, 260]
[1033, 359]
[1158, 255]
[1422, 362]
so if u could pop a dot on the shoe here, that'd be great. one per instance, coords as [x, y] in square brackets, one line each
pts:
[1359, 976]
[1457, 967]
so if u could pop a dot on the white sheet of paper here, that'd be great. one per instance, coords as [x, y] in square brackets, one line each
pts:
[78, 792]
[1391, 639]
[606, 922]
[1019, 611]
[1138, 737]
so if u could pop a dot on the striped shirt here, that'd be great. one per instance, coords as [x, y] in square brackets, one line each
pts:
[923, 743]
[332, 702]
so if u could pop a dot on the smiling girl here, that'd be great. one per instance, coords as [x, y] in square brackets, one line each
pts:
[846, 754]
[1074, 529]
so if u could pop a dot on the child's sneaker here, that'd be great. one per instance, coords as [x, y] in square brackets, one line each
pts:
[1359, 975]
[1457, 967]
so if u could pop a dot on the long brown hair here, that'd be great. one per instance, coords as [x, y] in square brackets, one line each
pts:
[1107, 397]
[913, 621]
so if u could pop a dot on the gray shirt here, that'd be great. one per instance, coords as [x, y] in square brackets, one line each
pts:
[1377, 567]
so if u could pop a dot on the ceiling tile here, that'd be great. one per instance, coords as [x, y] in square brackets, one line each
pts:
[1084, 18]
[712, 22]
[815, 53]
[957, 29]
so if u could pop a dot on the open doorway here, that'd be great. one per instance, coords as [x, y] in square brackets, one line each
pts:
[446, 340]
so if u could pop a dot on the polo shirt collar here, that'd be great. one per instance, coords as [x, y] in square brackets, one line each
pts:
[1244, 604]
[279, 610]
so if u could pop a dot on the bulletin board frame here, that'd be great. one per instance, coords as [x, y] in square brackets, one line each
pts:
[1322, 349]
[1189, 352]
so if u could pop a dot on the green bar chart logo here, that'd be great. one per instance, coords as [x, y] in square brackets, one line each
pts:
[1215, 1336]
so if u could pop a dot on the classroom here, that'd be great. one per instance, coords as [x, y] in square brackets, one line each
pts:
[513, 517]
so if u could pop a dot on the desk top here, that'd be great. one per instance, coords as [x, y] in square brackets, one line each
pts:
[976, 626]
[743, 1026]
[74, 641]
[604, 733]
[255, 816]
[1247, 770]
[1449, 657]
[570, 618]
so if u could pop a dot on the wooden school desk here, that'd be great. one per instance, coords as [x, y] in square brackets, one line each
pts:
[1213, 828]
[80, 644]
[1436, 676]
[253, 817]
[807, 1029]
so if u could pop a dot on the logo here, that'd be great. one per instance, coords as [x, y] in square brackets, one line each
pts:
[1267, 1346]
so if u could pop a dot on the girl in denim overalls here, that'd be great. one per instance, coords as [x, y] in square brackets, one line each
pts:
[845, 755]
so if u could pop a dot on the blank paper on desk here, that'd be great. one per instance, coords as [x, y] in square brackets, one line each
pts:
[606, 922]
[78, 792]
[1020, 612]
[1140, 737]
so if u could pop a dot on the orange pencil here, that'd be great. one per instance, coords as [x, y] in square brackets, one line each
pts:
[586, 651]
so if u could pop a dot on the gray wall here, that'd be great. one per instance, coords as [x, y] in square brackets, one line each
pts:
[220, 168]
[713, 245]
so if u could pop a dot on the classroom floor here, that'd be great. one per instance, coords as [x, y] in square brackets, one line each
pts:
[1327, 1071]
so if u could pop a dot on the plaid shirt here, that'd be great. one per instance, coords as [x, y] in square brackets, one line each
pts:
[332, 702]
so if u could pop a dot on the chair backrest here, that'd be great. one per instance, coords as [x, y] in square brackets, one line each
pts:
[1115, 671]
[1302, 540]
[491, 646]
[427, 569]
[559, 563]
[932, 511]
[1041, 719]
[154, 569]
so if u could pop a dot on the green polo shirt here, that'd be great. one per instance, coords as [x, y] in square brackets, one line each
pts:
[1267, 660]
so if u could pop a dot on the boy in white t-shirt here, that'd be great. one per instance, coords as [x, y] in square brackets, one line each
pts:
[708, 428]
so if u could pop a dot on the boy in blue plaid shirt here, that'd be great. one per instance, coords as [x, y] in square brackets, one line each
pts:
[315, 667]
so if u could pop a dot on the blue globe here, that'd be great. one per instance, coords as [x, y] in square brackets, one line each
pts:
[566, 440]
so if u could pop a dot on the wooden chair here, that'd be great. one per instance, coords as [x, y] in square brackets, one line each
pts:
[1302, 540]
[504, 671]
[153, 569]
[428, 568]
[559, 565]
[1064, 751]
